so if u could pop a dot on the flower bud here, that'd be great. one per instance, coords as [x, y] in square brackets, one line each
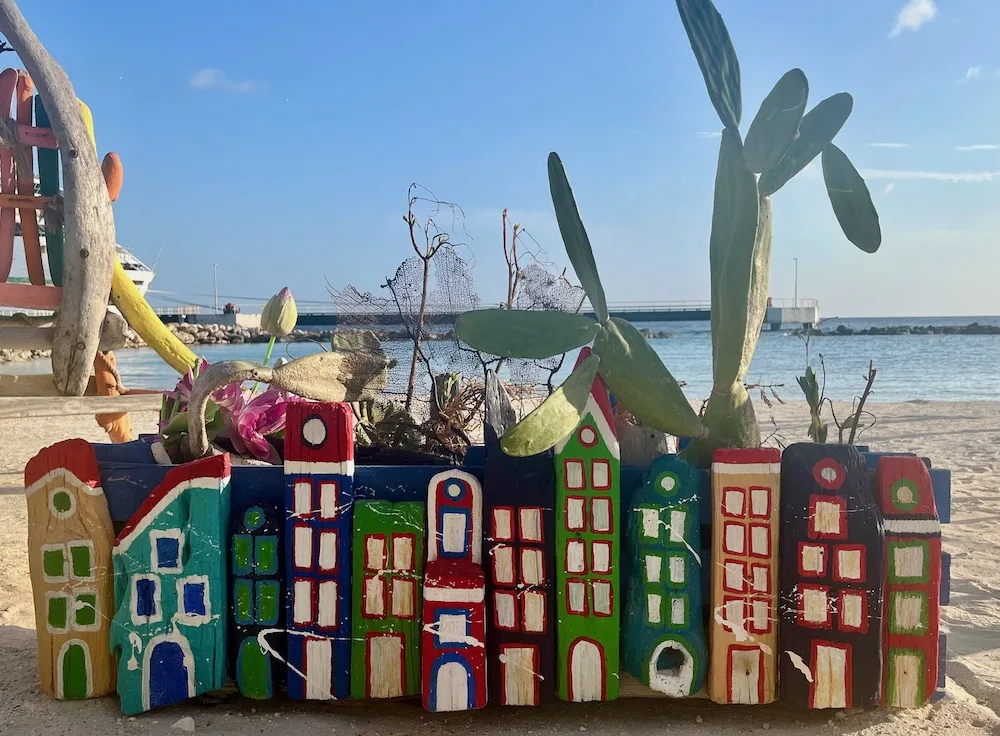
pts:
[280, 314]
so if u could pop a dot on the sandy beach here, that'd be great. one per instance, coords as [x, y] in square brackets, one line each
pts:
[964, 437]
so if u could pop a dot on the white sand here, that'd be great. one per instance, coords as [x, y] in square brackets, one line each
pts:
[964, 437]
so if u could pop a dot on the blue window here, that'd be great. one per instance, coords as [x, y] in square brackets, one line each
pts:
[168, 552]
[452, 628]
[195, 595]
[145, 597]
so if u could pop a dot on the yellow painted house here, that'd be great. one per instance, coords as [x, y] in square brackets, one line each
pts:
[69, 546]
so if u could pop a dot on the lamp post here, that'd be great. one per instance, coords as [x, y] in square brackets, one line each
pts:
[796, 282]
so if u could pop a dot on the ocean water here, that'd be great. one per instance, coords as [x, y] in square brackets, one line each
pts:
[910, 367]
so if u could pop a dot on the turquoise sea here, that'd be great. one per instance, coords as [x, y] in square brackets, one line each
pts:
[910, 367]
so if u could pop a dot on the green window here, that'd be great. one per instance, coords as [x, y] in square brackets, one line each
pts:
[677, 612]
[267, 602]
[908, 612]
[266, 555]
[243, 602]
[85, 610]
[54, 562]
[242, 551]
[56, 614]
[80, 556]
[62, 502]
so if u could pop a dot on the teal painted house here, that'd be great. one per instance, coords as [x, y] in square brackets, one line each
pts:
[169, 629]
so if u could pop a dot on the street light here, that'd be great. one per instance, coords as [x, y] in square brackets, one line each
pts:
[796, 282]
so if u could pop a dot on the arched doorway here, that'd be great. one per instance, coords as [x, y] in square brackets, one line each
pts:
[587, 671]
[254, 667]
[169, 672]
[671, 669]
[451, 684]
[74, 670]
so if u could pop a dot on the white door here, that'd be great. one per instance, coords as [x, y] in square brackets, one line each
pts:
[829, 677]
[452, 691]
[518, 667]
[586, 671]
[907, 679]
[745, 674]
[385, 672]
[319, 669]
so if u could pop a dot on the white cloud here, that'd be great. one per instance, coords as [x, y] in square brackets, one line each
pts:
[889, 145]
[979, 147]
[913, 15]
[708, 134]
[966, 177]
[216, 79]
[972, 73]
[888, 188]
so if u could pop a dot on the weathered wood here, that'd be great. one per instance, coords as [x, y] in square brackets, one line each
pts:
[743, 629]
[23, 201]
[588, 536]
[69, 553]
[89, 246]
[640, 444]
[8, 82]
[30, 296]
[170, 626]
[388, 571]
[258, 599]
[26, 183]
[830, 637]
[46, 406]
[519, 550]
[911, 614]
[37, 137]
[319, 506]
[37, 385]
[453, 646]
[664, 634]
[24, 337]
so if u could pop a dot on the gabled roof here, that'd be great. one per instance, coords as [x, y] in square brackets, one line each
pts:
[598, 406]
[210, 472]
[73, 460]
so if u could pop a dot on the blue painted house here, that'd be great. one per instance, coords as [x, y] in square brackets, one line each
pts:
[169, 628]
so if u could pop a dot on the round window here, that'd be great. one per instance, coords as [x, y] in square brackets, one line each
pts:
[314, 431]
[829, 473]
[454, 490]
[667, 483]
[905, 495]
[588, 437]
[61, 502]
[253, 518]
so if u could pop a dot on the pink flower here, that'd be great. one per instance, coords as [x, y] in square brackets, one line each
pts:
[256, 418]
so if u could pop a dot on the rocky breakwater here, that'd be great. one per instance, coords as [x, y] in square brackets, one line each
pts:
[972, 329]
[208, 334]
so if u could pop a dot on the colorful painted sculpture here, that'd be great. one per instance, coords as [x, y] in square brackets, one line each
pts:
[830, 636]
[520, 556]
[587, 542]
[69, 553]
[453, 648]
[319, 501]
[169, 629]
[664, 634]
[912, 611]
[388, 569]
[257, 641]
[744, 624]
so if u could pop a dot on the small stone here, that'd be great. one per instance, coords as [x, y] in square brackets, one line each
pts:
[253, 710]
[840, 715]
[583, 728]
[766, 726]
[184, 724]
[699, 719]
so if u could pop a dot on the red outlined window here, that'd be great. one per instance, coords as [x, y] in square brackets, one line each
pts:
[374, 603]
[576, 513]
[852, 611]
[602, 515]
[505, 610]
[760, 502]
[814, 606]
[760, 541]
[530, 520]
[849, 563]
[811, 559]
[759, 620]
[404, 598]
[534, 613]
[503, 523]
[375, 552]
[600, 475]
[827, 517]
[328, 604]
[587, 435]
[575, 475]
[403, 549]
[510, 657]
[734, 502]
[576, 556]
[328, 560]
[504, 571]
[760, 578]
[576, 596]
[600, 557]
[734, 538]
[303, 601]
[734, 576]
[328, 502]
[736, 659]
[302, 547]
[532, 566]
[369, 638]
[734, 612]
[604, 598]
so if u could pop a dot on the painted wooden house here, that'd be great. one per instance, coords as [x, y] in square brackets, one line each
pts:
[664, 632]
[831, 579]
[69, 553]
[912, 609]
[388, 572]
[453, 648]
[744, 578]
[257, 641]
[170, 624]
[319, 501]
[520, 561]
[587, 539]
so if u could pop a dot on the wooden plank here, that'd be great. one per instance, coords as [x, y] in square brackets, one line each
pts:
[664, 634]
[744, 581]
[48, 186]
[35, 385]
[23, 337]
[588, 597]
[58, 406]
[37, 137]
[8, 82]
[830, 637]
[30, 296]
[169, 631]
[69, 553]
[912, 611]
[26, 185]
[24, 201]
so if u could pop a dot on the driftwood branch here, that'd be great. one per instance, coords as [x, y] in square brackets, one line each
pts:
[89, 241]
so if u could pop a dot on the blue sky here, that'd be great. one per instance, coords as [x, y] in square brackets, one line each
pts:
[280, 144]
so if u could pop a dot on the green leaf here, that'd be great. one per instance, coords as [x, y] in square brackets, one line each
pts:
[716, 57]
[736, 273]
[637, 377]
[554, 418]
[511, 333]
[817, 129]
[851, 200]
[575, 237]
[773, 129]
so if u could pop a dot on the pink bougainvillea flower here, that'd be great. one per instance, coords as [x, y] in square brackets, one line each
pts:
[255, 419]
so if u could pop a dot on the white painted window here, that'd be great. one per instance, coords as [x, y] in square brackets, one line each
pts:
[851, 610]
[505, 606]
[734, 613]
[374, 596]
[327, 606]
[827, 518]
[735, 578]
[574, 513]
[678, 612]
[814, 605]
[678, 569]
[735, 538]
[503, 564]
[760, 614]
[503, 524]
[761, 579]
[404, 598]
[402, 552]
[328, 550]
[576, 556]
[848, 565]
[577, 596]
[303, 498]
[654, 564]
[650, 523]
[760, 540]
[302, 602]
[329, 503]
[575, 480]
[452, 628]
[531, 524]
[601, 515]
[303, 547]
[532, 571]
[908, 561]
[375, 552]
[533, 617]
[602, 597]
[812, 559]
[733, 502]
[677, 521]
[654, 608]
[453, 533]
[760, 502]
[909, 611]
[600, 474]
